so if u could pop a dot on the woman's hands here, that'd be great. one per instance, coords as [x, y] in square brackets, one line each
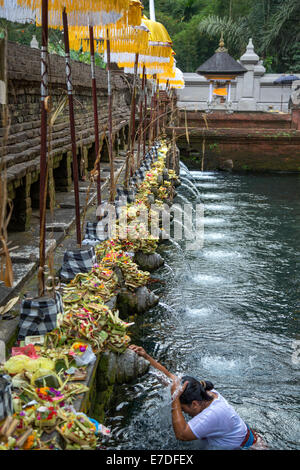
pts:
[177, 388]
[181, 428]
[139, 350]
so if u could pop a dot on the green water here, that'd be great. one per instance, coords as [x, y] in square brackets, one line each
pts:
[229, 313]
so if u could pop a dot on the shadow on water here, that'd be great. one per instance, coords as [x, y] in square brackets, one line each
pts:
[229, 314]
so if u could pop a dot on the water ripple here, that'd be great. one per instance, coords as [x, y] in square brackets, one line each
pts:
[230, 318]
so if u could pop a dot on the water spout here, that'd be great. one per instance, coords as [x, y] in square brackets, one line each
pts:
[170, 310]
[183, 198]
[176, 244]
[193, 185]
[187, 171]
[183, 185]
[170, 269]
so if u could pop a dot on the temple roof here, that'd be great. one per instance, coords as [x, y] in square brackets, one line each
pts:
[221, 63]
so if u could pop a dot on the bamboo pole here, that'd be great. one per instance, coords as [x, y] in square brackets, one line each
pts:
[157, 109]
[152, 118]
[72, 125]
[6, 205]
[96, 118]
[110, 125]
[133, 108]
[43, 150]
[145, 118]
[131, 135]
[141, 124]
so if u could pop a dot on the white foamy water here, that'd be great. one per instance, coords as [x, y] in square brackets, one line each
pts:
[214, 221]
[207, 279]
[220, 365]
[215, 236]
[221, 254]
[203, 176]
[213, 196]
[219, 207]
[199, 312]
[206, 185]
[228, 197]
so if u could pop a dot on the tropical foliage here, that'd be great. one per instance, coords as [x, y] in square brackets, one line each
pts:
[23, 34]
[196, 25]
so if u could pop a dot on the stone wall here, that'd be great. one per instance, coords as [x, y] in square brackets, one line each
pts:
[23, 144]
[238, 120]
[256, 150]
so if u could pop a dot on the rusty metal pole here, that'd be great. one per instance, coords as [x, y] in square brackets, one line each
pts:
[110, 124]
[157, 110]
[43, 153]
[166, 108]
[95, 106]
[145, 120]
[141, 118]
[72, 125]
[151, 137]
[133, 112]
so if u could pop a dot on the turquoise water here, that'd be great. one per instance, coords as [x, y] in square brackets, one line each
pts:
[229, 313]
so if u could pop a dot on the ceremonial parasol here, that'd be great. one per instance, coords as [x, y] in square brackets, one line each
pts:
[59, 13]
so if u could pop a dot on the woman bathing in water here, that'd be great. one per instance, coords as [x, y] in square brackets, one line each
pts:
[213, 419]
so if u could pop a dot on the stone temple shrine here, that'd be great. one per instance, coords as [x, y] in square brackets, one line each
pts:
[223, 83]
[220, 70]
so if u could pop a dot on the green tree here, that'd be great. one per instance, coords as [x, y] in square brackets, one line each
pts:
[273, 25]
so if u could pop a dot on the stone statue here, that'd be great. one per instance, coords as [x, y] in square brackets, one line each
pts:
[295, 95]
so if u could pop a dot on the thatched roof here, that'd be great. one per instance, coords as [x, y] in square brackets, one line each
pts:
[221, 63]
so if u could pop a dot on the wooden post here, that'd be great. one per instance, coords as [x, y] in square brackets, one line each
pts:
[95, 106]
[158, 109]
[133, 112]
[72, 125]
[145, 118]
[110, 129]
[43, 153]
[152, 116]
[167, 105]
[141, 126]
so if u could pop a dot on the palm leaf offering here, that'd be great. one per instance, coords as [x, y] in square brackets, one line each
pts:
[46, 384]
[8, 306]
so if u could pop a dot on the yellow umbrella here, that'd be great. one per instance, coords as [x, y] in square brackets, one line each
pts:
[160, 43]
[113, 39]
[92, 12]
[79, 11]
[176, 81]
[157, 56]
[126, 35]
[56, 13]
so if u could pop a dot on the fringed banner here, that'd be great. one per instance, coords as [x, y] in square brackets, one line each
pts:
[80, 12]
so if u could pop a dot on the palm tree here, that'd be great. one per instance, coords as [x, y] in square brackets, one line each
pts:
[236, 32]
[273, 25]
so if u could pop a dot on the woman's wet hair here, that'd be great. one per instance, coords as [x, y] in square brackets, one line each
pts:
[195, 390]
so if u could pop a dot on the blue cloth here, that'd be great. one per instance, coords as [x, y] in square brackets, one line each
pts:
[95, 423]
[250, 439]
